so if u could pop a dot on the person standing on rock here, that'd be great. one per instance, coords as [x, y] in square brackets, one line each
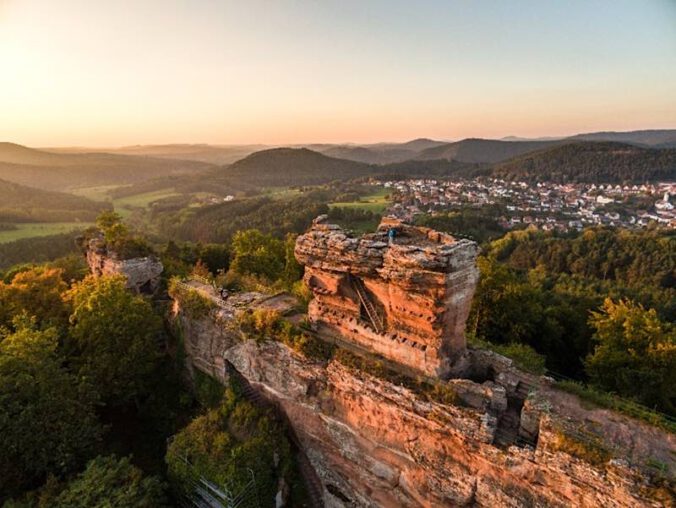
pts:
[391, 233]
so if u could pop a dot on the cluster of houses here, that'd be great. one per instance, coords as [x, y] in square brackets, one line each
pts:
[546, 205]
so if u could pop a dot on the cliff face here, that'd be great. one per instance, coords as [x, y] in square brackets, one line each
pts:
[142, 273]
[374, 443]
[405, 298]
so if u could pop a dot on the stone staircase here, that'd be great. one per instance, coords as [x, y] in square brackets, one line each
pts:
[507, 432]
[375, 318]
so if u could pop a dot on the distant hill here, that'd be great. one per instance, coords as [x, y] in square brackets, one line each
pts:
[212, 154]
[656, 138]
[587, 161]
[421, 144]
[291, 166]
[19, 203]
[482, 150]
[63, 171]
[379, 153]
[355, 153]
[436, 168]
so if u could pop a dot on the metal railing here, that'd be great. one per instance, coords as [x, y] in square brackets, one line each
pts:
[376, 319]
[207, 494]
[613, 401]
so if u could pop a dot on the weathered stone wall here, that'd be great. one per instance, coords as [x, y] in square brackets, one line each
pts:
[421, 285]
[377, 444]
[142, 274]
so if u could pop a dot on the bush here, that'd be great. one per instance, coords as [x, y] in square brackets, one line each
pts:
[223, 444]
[109, 481]
[261, 324]
[208, 391]
[523, 356]
[193, 303]
[584, 446]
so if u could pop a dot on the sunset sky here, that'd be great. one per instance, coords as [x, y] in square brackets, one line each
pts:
[105, 73]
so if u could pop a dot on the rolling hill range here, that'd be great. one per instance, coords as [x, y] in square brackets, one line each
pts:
[19, 203]
[212, 154]
[482, 150]
[380, 153]
[665, 138]
[64, 171]
[275, 167]
[292, 166]
[588, 161]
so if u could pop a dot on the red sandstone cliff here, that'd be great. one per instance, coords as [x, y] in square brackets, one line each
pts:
[407, 300]
[377, 444]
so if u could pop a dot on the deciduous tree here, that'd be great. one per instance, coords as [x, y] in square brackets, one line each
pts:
[113, 337]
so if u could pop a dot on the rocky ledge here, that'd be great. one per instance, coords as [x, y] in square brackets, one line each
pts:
[374, 443]
[142, 273]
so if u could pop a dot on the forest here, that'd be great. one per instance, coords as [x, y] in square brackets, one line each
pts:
[592, 162]
[84, 426]
[599, 306]
[562, 303]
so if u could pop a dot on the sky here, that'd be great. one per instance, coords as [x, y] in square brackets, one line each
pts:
[102, 73]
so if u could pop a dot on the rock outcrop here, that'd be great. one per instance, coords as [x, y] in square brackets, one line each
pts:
[142, 273]
[374, 443]
[406, 299]
[467, 429]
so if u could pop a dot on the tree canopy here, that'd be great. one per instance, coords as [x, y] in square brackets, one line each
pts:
[113, 337]
[47, 419]
[635, 354]
[109, 482]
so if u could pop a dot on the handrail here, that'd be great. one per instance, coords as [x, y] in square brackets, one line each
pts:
[616, 399]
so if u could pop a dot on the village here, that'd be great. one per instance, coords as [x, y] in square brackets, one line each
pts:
[549, 206]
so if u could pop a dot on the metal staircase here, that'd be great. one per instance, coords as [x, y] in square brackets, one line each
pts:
[312, 482]
[375, 318]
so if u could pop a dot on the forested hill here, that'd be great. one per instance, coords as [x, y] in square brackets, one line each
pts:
[293, 166]
[591, 162]
[664, 138]
[61, 171]
[482, 150]
[25, 204]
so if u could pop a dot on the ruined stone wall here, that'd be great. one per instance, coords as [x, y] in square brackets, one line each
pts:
[373, 443]
[421, 285]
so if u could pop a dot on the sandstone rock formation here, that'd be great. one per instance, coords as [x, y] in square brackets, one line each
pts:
[374, 443]
[505, 438]
[142, 273]
[407, 300]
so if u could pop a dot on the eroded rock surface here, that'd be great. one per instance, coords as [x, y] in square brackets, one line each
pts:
[142, 273]
[373, 443]
[406, 299]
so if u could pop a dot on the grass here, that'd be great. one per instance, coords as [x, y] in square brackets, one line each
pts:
[96, 193]
[144, 199]
[282, 192]
[606, 400]
[376, 202]
[30, 230]
[582, 445]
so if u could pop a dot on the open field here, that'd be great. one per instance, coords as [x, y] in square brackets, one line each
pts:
[40, 229]
[96, 193]
[124, 205]
[282, 192]
[376, 202]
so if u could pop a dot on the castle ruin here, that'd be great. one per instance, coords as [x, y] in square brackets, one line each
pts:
[403, 292]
